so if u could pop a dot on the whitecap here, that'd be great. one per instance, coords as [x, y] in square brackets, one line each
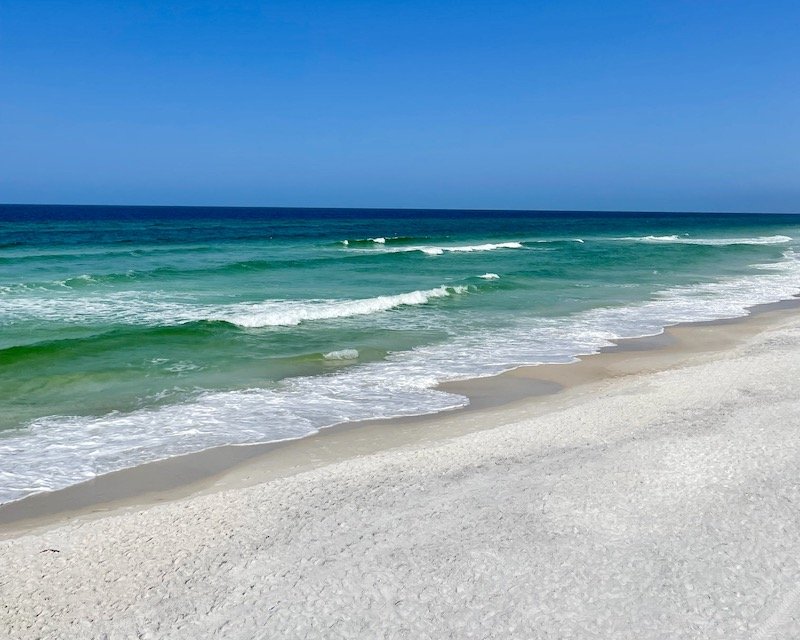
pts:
[342, 354]
[156, 308]
[433, 250]
[290, 312]
[674, 239]
[441, 249]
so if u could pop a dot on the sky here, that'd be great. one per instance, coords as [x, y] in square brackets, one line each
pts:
[622, 105]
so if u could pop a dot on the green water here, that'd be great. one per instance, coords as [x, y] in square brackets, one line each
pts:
[130, 334]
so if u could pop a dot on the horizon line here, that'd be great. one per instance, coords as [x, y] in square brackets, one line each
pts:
[373, 208]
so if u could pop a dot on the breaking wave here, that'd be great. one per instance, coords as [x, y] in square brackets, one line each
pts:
[342, 354]
[675, 239]
[289, 313]
[437, 250]
[379, 240]
[157, 309]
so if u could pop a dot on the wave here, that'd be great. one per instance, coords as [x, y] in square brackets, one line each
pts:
[440, 250]
[489, 276]
[255, 265]
[558, 240]
[106, 341]
[472, 248]
[101, 253]
[79, 282]
[291, 313]
[380, 240]
[133, 276]
[168, 272]
[342, 354]
[382, 245]
[675, 239]
[159, 309]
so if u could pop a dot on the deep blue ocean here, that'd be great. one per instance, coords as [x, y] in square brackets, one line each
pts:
[129, 334]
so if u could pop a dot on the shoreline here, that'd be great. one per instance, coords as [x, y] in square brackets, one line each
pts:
[654, 504]
[522, 392]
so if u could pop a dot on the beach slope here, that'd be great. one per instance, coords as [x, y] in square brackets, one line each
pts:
[658, 505]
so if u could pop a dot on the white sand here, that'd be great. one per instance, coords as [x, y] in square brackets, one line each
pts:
[664, 505]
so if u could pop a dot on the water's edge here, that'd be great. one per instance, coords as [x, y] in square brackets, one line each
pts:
[213, 469]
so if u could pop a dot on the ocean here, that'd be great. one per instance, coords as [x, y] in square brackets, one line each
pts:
[130, 334]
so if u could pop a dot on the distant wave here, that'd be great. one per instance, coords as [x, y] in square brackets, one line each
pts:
[489, 276]
[439, 250]
[130, 276]
[105, 280]
[290, 313]
[381, 240]
[674, 239]
[383, 246]
[471, 248]
[557, 240]
[17, 256]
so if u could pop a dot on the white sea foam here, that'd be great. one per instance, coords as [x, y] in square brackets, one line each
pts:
[439, 250]
[485, 247]
[489, 276]
[377, 240]
[342, 354]
[434, 250]
[183, 366]
[57, 451]
[289, 313]
[161, 309]
[674, 239]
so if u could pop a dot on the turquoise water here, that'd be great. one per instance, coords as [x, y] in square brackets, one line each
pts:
[132, 334]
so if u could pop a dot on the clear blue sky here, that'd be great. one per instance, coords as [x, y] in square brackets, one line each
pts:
[673, 105]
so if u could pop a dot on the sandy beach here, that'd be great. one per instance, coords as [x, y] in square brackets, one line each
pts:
[655, 496]
[399, 320]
